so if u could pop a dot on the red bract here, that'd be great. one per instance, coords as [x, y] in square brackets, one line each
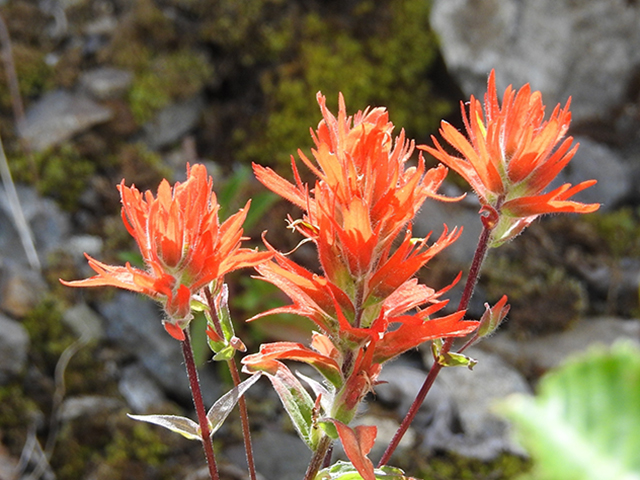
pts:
[182, 242]
[364, 196]
[511, 154]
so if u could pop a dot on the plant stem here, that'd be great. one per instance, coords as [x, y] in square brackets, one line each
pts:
[244, 419]
[318, 458]
[214, 315]
[472, 280]
[196, 394]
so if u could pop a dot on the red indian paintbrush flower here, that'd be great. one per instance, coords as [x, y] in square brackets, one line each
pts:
[182, 242]
[363, 199]
[511, 155]
[364, 196]
[358, 215]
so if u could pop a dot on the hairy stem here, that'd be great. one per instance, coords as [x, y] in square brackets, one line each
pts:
[214, 315]
[196, 394]
[318, 459]
[472, 280]
[244, 419]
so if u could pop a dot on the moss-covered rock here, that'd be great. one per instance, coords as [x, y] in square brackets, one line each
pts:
[61, 172]
[170, 77]
[454, 467]
[375, 54]
[16, 415]
[33, 74]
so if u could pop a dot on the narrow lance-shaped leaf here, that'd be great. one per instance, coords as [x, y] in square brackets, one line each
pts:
[221, 409]
[222, 310]
[294, 397]
[182, 425]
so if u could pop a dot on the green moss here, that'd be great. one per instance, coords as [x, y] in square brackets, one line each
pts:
[138, 442]
[619, 231]
[173, 76]
[34, 75]
[109, 445]
[48, 333]
[138, 165]
[144, 24]
[544, 298]
[61, 173]
[454, 467]
[15, 416]
[166, 64]
[250, 31]
[381, 57]
[147, 96]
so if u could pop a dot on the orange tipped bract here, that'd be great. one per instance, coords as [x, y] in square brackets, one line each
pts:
[511, 154]
[183, 245]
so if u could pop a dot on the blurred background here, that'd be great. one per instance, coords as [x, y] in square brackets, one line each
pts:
[93, 91]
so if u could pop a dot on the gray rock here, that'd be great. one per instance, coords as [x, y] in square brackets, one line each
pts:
[58, 116]
[14, 346]
[106, 82]
[278, 455]
[20, 291]
[78, 245]
[85, 322]
[134, 323]
[587, 50]
[105, 25]
[139, 390]
[74, 408]
[456, 414]
[474, 392]
[386, 429]
[172, 122]
[536, 355]
[49, 226]
[402, 384]
[597, 161]
[464, 214]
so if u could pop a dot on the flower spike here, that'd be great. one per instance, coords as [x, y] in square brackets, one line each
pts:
[511, 154]
[182, 242]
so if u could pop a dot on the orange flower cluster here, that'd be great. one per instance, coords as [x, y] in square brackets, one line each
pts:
[182, 242]
[364, 198]
[510, 157]
[367, 303]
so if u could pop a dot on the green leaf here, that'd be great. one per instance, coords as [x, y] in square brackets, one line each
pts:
[221, 409]
[450, 359]
[346, 471]
[222, 311]
[182, 425]
[296, 401]
[584, 424]
[225, 354]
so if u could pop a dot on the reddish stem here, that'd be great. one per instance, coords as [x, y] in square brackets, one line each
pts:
[472, 280]
[196, 394]
[244, 419]
[318, 458]
[235, 375]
